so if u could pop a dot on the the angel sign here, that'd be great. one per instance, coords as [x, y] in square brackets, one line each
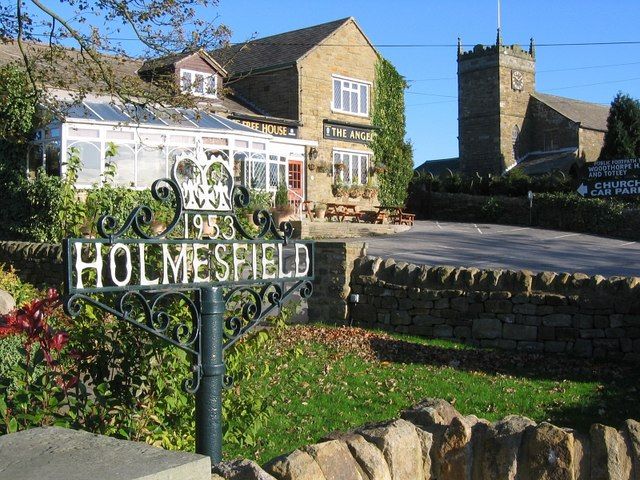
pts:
[199, 284]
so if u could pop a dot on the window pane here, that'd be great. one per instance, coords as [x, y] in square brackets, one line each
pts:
[273, 175]
[240, 168]
[52, 159]
[120, 135]
[186, 81]
[364, 169]
[124, 161]
[345, 101]
[198, 86]
[90, 160]
[211, 85]
[347, 168]
[364, 101]
[258, 174]
[34, 160]
[337, 94]
[354, 102]
[151, 165]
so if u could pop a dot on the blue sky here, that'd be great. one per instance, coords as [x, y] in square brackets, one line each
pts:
[590, 73]
[426, 32]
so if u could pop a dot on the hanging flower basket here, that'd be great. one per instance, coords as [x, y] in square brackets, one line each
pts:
[379, 170]
[370, 192]
[339, 190]
[355, 191]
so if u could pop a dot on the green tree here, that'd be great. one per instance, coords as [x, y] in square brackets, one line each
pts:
[85, 48]
[390, 149]
[622, 139]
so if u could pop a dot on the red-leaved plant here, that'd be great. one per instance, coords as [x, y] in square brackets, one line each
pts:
[31, 322]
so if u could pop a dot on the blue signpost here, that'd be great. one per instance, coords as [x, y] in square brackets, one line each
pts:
[200, 284]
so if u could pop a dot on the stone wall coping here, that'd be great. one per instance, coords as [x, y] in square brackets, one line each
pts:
[445, 277]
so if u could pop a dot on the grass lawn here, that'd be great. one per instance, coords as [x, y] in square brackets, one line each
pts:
[322, 379]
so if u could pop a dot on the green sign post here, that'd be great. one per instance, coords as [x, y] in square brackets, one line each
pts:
[200, 284]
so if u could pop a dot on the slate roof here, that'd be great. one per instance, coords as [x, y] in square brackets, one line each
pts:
[439, 167]
[589, 115]
[274, 51]
[123, 68]
[545, 162]
[173, 58]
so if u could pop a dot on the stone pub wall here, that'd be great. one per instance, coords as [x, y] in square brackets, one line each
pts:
[577, 314]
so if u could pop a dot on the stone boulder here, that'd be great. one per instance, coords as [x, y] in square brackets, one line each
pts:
[610, 459]
[241, 469]
[633, 433]
[500, 448]
[430, 411]
[372, 464]
[298, 465]
[401, 447]
[547, 454]
[455, 457]
[7, 303]
[335, 460]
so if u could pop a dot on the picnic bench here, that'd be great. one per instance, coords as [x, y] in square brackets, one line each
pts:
[396, 215]
[340, 211]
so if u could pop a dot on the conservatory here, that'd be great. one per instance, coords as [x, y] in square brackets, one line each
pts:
[142, 144]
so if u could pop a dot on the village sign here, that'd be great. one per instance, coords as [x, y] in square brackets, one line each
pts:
[201, 283]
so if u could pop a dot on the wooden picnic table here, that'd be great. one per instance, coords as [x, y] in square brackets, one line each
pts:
[396, 214]
[340, 211]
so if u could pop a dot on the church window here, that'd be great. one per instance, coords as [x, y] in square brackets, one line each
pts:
[350, 96]
[515, 141]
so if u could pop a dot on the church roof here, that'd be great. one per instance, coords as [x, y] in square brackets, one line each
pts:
[440, 166]
[278, 50]
[589, 115]
[540, 163]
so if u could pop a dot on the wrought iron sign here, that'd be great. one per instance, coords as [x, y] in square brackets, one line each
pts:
[201, 283]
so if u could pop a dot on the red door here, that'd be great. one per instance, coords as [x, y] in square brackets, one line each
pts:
[296, 185]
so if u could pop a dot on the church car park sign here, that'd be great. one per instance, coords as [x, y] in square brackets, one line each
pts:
[611, 178]
[200, 284]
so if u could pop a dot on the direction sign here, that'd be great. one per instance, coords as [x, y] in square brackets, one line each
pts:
[199, 285]
[614, 168]
[610, 188]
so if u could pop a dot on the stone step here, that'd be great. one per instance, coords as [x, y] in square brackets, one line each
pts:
[54, 453]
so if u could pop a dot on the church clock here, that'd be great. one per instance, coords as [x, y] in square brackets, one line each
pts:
[517, 80]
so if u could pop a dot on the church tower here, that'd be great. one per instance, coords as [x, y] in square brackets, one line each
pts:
[494, 86]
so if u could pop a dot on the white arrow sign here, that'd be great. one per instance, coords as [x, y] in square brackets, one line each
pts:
[582, 189]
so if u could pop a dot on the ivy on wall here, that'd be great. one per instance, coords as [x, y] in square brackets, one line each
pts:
[393, 155]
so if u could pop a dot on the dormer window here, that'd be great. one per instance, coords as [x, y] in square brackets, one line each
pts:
[200, 84]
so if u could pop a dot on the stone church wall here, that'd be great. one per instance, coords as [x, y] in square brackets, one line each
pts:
[548, 130]
[591, 142]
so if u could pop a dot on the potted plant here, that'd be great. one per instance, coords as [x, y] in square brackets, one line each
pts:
[319, 210]
[283, 209]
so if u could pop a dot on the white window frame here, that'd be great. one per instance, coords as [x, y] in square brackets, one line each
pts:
[346, 82]
[351, 154]
[205, 78]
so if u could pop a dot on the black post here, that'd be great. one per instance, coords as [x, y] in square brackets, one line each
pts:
[209, 395]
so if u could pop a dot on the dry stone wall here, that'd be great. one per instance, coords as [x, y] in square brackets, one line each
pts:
[433, 441]
[37, 263]
[586, 316]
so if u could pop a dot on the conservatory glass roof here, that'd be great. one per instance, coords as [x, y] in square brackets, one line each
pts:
[153, 116]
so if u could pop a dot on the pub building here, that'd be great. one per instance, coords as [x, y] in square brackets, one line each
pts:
[293, 108]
